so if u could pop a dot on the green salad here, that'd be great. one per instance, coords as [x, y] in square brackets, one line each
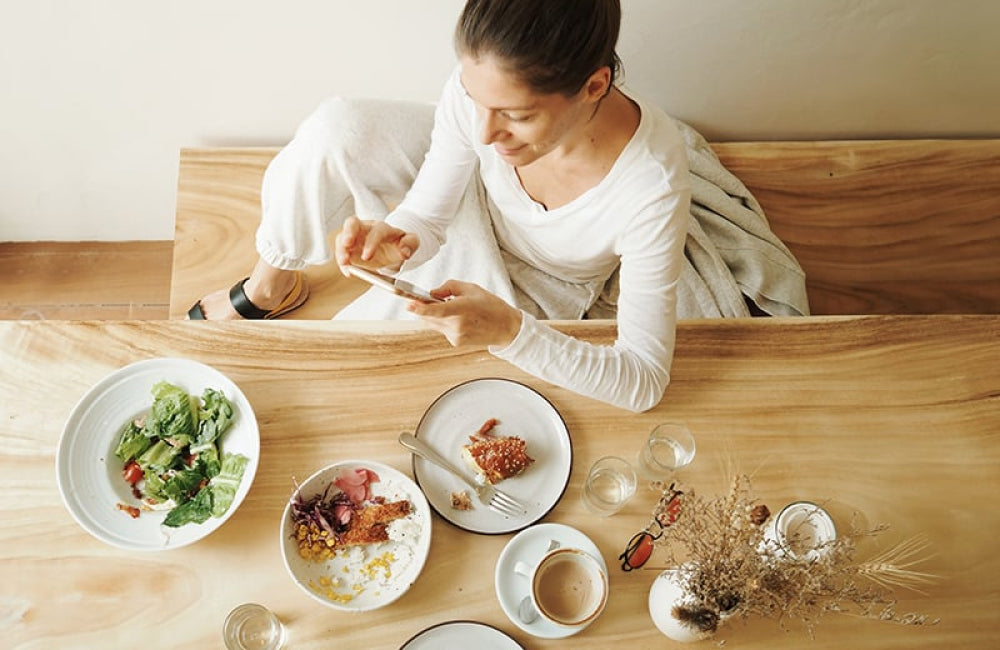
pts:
[172, 458]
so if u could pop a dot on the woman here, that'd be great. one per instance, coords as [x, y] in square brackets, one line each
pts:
[582, 182]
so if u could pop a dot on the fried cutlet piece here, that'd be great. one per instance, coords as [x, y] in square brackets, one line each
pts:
[369, 525]
[494, 457]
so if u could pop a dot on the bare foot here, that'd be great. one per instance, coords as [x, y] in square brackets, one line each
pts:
[267, 287]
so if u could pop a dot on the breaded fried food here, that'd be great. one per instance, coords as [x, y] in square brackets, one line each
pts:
[369, 525]
[495, 457]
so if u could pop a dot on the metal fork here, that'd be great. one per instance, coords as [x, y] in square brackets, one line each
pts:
[496, 500]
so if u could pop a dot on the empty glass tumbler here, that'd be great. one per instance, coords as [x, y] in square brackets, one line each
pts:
[253, 627]
[669, 447]
[609, 485]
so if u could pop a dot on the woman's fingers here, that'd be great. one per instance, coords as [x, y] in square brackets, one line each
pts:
[469, 315]
[408, 243]
[373, 244]
[347, 241]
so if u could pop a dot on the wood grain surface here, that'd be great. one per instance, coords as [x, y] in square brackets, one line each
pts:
[880, 227]
[72, 280]
[883, 227]
[893, 419]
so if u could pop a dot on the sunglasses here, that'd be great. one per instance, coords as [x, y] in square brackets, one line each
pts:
[640, 547]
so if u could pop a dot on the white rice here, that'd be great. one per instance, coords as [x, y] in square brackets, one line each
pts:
[379, 566]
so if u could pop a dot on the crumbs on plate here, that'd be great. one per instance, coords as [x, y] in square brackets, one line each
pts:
[359, 569]
[461, 501]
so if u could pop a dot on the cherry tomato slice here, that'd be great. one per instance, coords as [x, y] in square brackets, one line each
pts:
[132, 472]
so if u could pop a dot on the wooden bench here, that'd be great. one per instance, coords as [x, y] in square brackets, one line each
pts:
[880, 227]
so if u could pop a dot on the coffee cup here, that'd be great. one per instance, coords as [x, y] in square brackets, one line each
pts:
[568, 587]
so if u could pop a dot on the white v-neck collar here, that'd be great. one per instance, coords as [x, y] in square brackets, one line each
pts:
[536, 209]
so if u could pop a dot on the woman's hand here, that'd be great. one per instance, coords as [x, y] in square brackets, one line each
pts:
[469, 315]
[373, 245]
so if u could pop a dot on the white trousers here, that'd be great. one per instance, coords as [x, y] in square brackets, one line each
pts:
[349, 157]
[359, 157]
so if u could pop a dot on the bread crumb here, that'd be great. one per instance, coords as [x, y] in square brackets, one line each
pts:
[461, 501]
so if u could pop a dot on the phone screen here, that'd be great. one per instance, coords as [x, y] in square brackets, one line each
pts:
[392, 285]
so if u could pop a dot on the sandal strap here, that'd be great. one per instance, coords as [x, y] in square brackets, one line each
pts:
[241, 303]
[195, 313]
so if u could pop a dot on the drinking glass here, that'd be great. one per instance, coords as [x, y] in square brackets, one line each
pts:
[253, 627]
[669, 447]
[801, 531]
[609, 485]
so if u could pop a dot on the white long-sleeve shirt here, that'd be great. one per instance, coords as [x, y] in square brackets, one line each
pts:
[637, 217]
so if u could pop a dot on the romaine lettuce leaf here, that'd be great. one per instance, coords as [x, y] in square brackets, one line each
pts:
[208, 460]
[153, 486]
[197, 510]
[224, 485]
[214, 417]
[132, 443]
[159, 457]
[183, 484]
[174, 412]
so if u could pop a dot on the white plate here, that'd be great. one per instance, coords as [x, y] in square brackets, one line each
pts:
[365, 593]
[529, 546]
[90, 476]
[522, 412]
[454, 634]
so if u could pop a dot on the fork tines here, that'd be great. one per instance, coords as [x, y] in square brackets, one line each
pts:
[506, 504]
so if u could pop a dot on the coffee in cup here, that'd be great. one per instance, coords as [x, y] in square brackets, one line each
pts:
[569, 587]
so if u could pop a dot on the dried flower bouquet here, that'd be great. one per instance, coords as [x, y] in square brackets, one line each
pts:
[729, 567]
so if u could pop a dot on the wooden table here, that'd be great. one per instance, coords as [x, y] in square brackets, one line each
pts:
[897, 418]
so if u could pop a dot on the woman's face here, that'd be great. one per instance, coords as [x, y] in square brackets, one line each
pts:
[521, 124]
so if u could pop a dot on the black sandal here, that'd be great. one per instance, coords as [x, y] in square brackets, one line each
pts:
[245, 308]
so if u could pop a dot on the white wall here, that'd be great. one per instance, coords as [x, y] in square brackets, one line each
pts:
[98, 96]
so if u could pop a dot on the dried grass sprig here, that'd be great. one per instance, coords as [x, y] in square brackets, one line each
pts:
[892, 567]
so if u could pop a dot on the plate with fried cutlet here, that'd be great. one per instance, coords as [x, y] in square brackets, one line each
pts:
[355, 535]
[495, 431]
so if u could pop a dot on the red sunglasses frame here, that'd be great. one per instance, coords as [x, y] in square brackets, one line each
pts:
[640, 546]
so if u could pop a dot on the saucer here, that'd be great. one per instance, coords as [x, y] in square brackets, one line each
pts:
[529, 546]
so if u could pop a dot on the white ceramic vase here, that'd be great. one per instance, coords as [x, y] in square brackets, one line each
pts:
[666, 593]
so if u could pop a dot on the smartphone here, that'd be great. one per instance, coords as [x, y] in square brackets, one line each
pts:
[392, 285]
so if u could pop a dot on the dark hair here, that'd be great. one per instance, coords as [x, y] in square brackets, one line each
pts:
[552, 45]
